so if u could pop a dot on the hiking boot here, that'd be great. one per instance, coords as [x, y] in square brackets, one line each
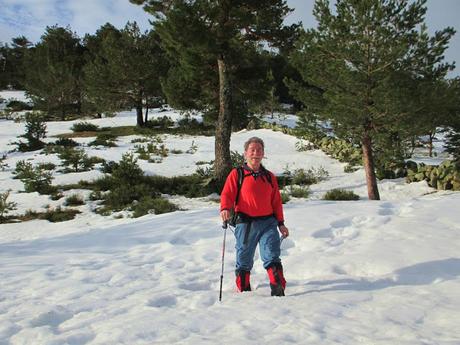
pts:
[243, 280]
[277, 281]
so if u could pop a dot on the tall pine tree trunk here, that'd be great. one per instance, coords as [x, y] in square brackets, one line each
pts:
[430, 143]
[139, 115]
[62, 104]
[368, 160]
[146, 119]
[222, 164]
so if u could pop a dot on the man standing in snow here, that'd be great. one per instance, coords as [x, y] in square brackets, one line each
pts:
[253, 193]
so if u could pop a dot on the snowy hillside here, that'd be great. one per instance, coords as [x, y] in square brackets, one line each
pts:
[359, 272]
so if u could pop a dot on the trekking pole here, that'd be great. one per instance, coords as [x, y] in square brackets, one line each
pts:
[224, 226]
[282, 239]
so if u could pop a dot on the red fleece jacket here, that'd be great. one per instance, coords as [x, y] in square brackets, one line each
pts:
[257, 196]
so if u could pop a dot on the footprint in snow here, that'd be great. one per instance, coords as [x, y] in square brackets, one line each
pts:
[329, 232]
[342, 235]
[163, 302]
[340, 231]
[179, 241]
[386, 209]
[52, 318]
[323, 233]
[195, 286]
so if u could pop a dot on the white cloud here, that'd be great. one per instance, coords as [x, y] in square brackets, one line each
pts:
[30, 17]
[89, 15]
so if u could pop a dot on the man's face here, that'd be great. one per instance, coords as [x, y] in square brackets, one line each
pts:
[254, 154]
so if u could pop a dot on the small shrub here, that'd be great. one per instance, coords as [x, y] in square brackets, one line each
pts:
[15, 105]
[3, 165]
[74, 200]
[124, 195]
[107, 167]
[35, 179]
[84, 127]
[157, 205]
[162, 151]
[66, 142]
[46, 166]
[285, 197]
[302, 145]
[205, 172]
[308, 177]
[151, 148]
[142, 153]
[35, 131]
[340, 194]
[40, 182]
[101, 184]
[176, 152]
[75, 160]
[5, 206]
[56, 195]
[96, 195]
[121, 196]
[139, 140]
[155, 160]
[299, 192]
[189, 123]
[349, 168]
[190, 186]
[59, 215]
[204, 162]
[161, 122]
[104, 139]
[29, 215]
[23, 170]
[127, 171]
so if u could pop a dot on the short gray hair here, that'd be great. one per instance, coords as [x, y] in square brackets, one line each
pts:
[251, 140]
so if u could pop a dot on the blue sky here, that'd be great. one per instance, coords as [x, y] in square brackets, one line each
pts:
[30, 17]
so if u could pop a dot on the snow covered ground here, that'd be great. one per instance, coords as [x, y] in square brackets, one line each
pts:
[364, 272]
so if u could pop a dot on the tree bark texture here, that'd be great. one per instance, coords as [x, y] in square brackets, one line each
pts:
[430, 144]
[146, 119]
[368, 161]
[222, 164]
[140, 118]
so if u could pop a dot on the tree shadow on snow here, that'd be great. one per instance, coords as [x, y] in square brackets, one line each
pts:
[424, 273]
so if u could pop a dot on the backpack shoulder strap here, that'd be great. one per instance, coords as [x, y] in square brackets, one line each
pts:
[267, 175]
[240, 182]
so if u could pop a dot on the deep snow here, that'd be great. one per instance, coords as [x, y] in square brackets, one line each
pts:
[364, 272]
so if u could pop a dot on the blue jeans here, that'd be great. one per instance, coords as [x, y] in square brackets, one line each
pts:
[263, 232]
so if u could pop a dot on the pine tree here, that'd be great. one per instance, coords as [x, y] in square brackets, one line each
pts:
[215, 46]
[53, 72]
[12, 63]
[124, 69]
[363, 59]
[452, 145]
[453, 122]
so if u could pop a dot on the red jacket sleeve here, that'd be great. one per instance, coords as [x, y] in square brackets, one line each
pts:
[228, 195]
[277, 204]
